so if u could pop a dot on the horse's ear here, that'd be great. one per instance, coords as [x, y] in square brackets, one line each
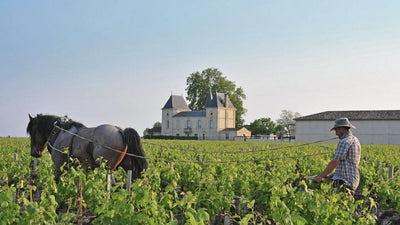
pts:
[30, 117]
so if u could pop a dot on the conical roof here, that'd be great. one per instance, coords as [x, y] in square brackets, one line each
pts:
[176, 102]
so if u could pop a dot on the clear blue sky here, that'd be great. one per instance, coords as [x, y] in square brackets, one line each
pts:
[119, 61]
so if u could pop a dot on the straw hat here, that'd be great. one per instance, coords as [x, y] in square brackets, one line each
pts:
[342, 122]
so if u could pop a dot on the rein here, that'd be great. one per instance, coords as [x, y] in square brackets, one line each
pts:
[53, 137]
[54, 148]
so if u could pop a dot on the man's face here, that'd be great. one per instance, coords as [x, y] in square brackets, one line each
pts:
[340, 131]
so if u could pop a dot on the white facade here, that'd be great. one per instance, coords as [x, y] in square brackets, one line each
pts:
[368, 131]
[186, 126]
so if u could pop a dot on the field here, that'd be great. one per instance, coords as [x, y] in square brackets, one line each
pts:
[201, 182]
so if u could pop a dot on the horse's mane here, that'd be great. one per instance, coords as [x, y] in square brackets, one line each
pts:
[45, 123]
[68, 123]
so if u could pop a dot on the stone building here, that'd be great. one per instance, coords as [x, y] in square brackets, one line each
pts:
[215, 122]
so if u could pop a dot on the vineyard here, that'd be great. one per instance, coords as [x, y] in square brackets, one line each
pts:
[201, 182]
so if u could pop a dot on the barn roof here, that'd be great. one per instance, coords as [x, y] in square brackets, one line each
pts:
[235, 129]
[231, 129]
[354, 115]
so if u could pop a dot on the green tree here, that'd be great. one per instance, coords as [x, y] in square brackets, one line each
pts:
[262, 126]
[157, 124]
[280, 131]
[151, 131]
[286, 120]
[199, 84]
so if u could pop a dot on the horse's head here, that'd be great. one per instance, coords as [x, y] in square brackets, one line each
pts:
[39, 129]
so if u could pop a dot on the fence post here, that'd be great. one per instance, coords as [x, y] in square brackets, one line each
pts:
[228, 220]
[80, 201]
[236, 202]
[38, 194]
[108, 185]
[14, 194]
[15, 156]
[383, 170]
[161, 151]
[391, 171]
[34, 167]
[128, 181]
[113, 179]
[377, 165]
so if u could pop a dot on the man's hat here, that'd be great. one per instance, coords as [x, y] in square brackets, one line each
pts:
[342, 122]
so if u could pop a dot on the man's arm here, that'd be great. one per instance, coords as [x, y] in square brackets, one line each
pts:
[329, 168]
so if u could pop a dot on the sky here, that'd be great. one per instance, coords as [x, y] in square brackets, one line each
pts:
[118, 62]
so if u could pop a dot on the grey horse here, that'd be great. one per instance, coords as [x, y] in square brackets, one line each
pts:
[65, 138]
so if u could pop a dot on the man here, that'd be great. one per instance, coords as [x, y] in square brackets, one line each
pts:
[346, 158]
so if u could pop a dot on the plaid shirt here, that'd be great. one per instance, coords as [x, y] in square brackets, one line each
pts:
[348, 152]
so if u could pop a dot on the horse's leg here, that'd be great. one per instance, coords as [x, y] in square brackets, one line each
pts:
[127, 164]
[86, 158]
[57, 174]
[59, 159]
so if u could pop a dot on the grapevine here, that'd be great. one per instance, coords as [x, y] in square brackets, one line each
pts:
[201, 182]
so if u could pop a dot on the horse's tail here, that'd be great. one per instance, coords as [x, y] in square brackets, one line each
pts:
[135, 157]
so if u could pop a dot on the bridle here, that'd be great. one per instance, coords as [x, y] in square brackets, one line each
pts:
[57, 128]
[53, 136]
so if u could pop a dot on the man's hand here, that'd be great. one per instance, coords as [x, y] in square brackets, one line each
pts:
[318, 179]
[329, 168]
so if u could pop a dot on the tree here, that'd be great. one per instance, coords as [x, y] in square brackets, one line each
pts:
[151, 131]
[157, 124]
[280, 131]
[286, 120]
[199, 85]
[262, 126]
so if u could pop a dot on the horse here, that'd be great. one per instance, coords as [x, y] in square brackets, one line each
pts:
[65, 138]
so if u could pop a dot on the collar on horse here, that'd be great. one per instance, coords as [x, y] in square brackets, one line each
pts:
[57, 127]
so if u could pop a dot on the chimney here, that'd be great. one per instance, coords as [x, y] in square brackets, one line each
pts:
[226, 100]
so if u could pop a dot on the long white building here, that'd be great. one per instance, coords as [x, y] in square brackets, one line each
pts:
[373, 126]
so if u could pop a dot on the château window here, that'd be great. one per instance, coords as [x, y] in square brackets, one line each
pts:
[199, 124]
[211, 124]
[188, 124]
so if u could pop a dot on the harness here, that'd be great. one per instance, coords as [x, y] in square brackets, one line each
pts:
[54, 135]
[91, 141]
